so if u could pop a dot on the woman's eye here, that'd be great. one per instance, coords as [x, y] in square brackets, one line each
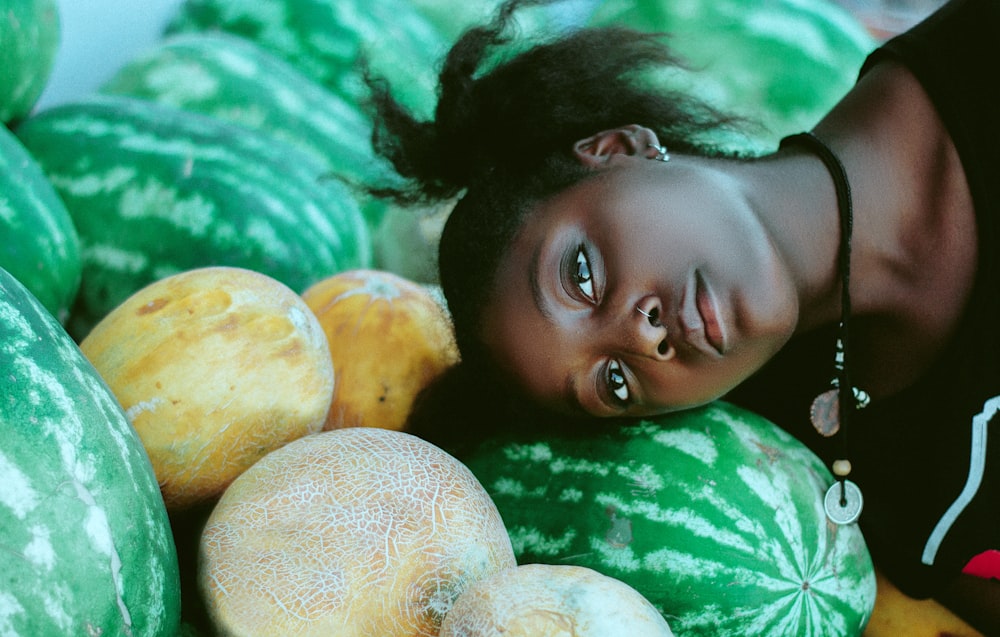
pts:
[616, 381]
[581, 275]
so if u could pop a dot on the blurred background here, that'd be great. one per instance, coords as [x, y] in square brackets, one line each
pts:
[885, 18]
[99, 36]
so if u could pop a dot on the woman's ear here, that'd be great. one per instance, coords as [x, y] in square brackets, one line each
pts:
[597, 150]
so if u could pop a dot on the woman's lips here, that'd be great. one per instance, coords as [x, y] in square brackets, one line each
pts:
[708, 307]
[699, 317]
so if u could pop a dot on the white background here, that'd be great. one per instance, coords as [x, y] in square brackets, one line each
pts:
[98, 37]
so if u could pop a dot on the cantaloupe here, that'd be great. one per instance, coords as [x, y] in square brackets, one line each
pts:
[215, 368]
[356, 532]
[545, 600]
[389, 338]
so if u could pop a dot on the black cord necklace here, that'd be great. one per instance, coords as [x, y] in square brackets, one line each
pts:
[832, 409]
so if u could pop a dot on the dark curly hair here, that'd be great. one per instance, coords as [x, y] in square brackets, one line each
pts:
[501, 139]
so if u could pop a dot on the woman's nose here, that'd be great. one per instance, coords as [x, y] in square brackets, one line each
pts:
[652, 332]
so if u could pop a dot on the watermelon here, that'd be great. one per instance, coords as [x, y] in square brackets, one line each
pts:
[452, 17]
[29, 40]
[715, 515]
[234, 79]
[154, 190]
[782, 64]
[325, 40]
[87, 546]
[40, 246]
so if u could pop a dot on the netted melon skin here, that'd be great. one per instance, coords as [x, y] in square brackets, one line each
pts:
[351, 532]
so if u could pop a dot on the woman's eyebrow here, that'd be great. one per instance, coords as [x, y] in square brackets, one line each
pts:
[541, 301]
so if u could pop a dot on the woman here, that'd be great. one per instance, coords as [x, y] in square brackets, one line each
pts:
[605, 261]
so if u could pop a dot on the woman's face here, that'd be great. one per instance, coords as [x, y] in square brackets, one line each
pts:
[649, 288]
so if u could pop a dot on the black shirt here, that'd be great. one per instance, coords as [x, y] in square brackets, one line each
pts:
[927, 459]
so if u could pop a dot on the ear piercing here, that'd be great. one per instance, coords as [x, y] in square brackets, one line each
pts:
[661, 152]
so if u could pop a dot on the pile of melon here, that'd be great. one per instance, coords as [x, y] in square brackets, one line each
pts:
[211, 338]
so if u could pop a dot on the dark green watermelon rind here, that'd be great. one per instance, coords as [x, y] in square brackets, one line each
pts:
[30, 31]
[155, 190]
[781, 65]
[234, 79]
[87, 547]
[715, 515]
[39, 245]
[325, 40]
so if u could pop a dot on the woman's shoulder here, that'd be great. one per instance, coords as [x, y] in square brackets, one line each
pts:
[952, 54]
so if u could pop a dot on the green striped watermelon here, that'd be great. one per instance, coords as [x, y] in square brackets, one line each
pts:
[38, 242]
[780, 63]
[29, 40]
[86, 543]
[234, 79]
[325, 39]
[452, 17]
[715, 515]
[155, 190]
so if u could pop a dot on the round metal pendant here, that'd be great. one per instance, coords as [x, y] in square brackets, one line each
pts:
[825, 413]
[843, 502]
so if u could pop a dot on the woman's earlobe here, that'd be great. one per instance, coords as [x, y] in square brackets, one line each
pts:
[597, 150]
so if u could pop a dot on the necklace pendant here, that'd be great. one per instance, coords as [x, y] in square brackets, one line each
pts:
[843, 502]
[825, 413]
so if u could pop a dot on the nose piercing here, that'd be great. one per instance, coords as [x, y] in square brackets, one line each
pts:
[654, 316]
[661, 152]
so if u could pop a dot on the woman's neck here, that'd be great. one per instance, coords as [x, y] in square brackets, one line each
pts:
[914, 250]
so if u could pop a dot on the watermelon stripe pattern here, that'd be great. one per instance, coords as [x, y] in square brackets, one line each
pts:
[40, 246]
[87, 546]
[155, 190]
[29, 39]
[781, 64]
[325, 40]
[715, 515]
[233, 79]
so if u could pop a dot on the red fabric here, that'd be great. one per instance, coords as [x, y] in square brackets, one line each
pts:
[986, 565]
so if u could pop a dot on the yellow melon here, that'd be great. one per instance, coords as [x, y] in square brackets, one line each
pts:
[389, 337]
[215, 368]
[897, 614]
[543, 600]
[356, 532]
